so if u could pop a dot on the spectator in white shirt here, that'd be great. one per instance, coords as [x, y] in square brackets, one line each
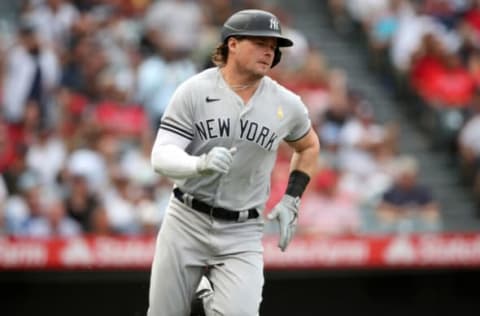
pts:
[175, 25]
[31, 75]
[24, 206]
[53, 20]
[359, 139]
[469, 147]
[54, 222]
[47, 147]
[120, 204]
[469, 138]
[3, 198]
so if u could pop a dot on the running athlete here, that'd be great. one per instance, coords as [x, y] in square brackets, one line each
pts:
[218, 140]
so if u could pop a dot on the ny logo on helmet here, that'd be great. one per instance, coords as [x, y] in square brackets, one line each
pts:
[274, 24]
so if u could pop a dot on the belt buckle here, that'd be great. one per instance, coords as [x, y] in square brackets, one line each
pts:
[187, 199]
[242, 216]
[210, 212]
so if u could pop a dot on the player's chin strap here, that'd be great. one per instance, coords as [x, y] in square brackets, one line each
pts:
[276, 57]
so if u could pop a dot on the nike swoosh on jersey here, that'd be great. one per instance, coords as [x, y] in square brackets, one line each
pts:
[208, 99]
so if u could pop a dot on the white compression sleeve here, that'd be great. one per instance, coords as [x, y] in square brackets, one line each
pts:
[169, 157]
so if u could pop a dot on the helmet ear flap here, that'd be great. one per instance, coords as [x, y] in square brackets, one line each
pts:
[276, 57]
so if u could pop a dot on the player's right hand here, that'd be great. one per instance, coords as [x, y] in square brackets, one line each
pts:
[218, 159]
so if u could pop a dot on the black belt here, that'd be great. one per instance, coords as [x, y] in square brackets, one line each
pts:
[216, 212]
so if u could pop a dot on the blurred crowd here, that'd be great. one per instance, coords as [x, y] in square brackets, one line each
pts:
[84, 85]
[430, 50]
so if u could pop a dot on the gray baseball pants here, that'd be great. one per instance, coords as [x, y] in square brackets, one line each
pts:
[190, 241]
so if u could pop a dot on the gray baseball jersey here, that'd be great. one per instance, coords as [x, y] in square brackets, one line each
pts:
[207, 112]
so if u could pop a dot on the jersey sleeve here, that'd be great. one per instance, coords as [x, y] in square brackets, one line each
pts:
[300, 123]
[178, 116]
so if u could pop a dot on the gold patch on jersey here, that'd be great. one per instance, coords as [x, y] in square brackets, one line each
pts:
[280, 112]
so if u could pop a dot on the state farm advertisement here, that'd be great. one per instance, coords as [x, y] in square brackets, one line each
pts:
[415, 251]
[96, 252]
[85, 252]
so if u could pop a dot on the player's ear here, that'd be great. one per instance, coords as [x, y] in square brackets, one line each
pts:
[232, 43]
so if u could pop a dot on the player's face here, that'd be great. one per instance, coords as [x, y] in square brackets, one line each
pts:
[255, 54]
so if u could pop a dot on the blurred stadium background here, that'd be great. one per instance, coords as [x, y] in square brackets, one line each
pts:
[390, 224]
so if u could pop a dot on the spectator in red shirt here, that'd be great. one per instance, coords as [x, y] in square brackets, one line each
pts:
[7, 148]
[473, 66]
[327, 209]
[453, 86]
[427, 64]
[471, 25]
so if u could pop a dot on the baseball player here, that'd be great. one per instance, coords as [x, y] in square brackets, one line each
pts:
[218, 140]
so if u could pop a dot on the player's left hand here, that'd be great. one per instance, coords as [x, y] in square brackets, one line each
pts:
[286, 213]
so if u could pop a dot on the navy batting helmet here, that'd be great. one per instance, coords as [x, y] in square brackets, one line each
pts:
[256, 23]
